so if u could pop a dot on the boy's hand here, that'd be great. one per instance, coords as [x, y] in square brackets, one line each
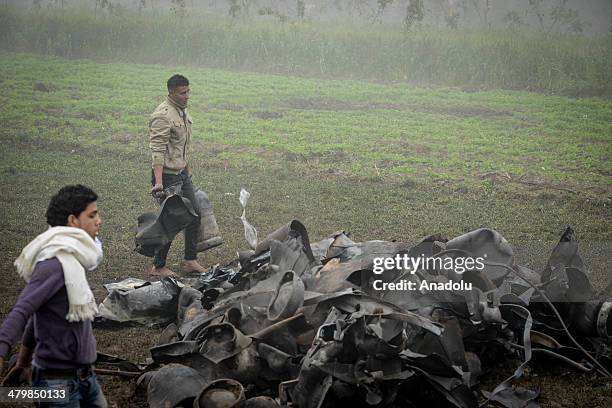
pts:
[18, 376]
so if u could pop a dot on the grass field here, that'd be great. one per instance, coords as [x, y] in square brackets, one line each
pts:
[381, 161]
[518, 59]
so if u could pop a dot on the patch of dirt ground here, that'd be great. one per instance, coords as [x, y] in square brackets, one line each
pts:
[341, 105]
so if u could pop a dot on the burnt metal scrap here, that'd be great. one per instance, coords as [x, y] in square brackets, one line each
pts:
[176, 212]
[292, 323]
[139, 301]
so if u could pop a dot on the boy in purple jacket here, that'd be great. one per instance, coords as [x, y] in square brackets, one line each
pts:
[55, 309]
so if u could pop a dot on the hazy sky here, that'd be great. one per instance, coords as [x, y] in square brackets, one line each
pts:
[598, 13]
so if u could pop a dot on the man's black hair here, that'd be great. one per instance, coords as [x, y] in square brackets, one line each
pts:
[177, 80]
[69, 200]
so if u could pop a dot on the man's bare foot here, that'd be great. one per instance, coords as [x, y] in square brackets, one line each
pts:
[163, 272]
[193, 266]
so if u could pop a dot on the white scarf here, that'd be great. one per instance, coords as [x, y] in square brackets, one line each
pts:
[77, 252]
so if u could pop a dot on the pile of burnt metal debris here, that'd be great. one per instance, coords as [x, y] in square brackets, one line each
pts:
[291, 323]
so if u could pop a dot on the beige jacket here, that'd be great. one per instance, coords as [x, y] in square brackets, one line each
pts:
[170, 137]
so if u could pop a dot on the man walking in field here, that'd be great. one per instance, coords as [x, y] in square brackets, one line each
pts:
[170, 143]
[55, 309]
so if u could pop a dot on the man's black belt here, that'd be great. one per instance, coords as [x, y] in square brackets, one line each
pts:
[63, 373]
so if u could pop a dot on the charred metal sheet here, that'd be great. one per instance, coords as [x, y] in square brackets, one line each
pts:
[260, 402]
[174, 385]
[604, 320]
[487, 244]
[208, 234]
[527, 353]
[118, 363]
[189, 305]
[376, 336]
[565, 254]
[331, 247]
[293, 229]
[353, 302]
[448, 345]
[312, 383]
[126, 284]
[333, 277]
[155, 230]
[224, 392]
[288, 297]
[307, 320]
[190, 330]
[452, 389]
[291, 255]
[216, 276]
[321, 248]
[276, 359]
[147, 304]
[170, 351]
[222, 341]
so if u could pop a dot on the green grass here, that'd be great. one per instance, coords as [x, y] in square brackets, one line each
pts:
[351, 128]
[561, 63]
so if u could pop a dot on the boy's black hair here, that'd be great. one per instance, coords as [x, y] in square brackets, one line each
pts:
[69, 200]
[177, 80]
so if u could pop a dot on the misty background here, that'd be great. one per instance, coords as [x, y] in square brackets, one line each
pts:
[553, 46]
[591, 16]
